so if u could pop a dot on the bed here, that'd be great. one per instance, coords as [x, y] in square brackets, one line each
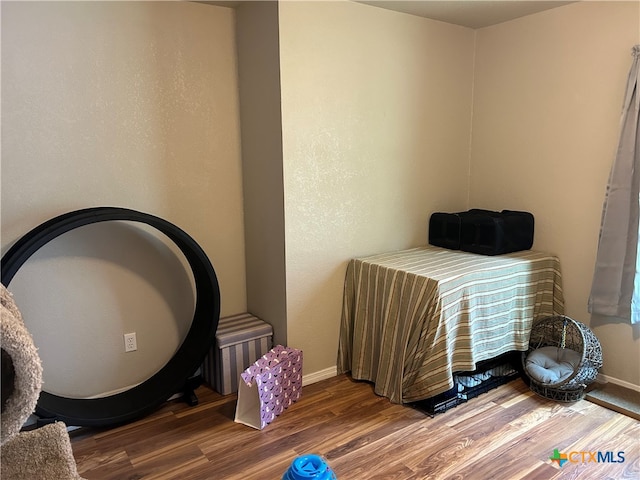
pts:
[413, 318]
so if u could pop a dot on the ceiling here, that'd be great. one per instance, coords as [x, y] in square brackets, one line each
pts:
[468, 13]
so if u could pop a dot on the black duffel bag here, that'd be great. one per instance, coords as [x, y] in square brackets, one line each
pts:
[482, 231]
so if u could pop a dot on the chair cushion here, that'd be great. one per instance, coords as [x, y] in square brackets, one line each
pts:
[552, 365]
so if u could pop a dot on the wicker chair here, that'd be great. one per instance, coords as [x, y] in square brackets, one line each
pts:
[568, 336]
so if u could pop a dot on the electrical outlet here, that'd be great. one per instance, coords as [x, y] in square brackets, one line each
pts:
[130, 342]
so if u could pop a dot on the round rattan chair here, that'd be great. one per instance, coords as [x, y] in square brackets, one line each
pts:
[571, 348]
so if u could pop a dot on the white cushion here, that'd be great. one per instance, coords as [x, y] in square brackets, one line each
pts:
[552, 365]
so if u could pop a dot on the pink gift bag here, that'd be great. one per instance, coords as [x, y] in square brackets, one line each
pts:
[269, 386]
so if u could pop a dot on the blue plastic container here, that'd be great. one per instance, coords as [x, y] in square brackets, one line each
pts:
[308, 467]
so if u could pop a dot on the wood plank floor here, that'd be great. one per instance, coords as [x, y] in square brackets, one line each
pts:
[507, 433]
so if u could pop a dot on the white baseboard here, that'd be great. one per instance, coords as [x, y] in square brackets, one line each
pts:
[318, 376]
[607, 379]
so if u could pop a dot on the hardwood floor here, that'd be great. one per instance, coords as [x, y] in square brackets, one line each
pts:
[508, 433]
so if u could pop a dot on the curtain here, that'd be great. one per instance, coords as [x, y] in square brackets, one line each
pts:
[616, 270]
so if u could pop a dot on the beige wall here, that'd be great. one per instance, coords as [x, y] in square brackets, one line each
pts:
[129, 104]
[547, 103]
[136, 105]
[259, 86]
[376, 110]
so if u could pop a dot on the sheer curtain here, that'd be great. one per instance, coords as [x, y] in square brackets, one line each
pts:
[616, 282]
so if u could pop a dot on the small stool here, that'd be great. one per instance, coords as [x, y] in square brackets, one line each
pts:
[240, 340]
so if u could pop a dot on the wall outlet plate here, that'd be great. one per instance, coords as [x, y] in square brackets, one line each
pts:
[130, 342]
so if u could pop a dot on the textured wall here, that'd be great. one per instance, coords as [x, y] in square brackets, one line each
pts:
[376, 110]
[547, 103]
[135, 104]
[129, 104]
[259, 85]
